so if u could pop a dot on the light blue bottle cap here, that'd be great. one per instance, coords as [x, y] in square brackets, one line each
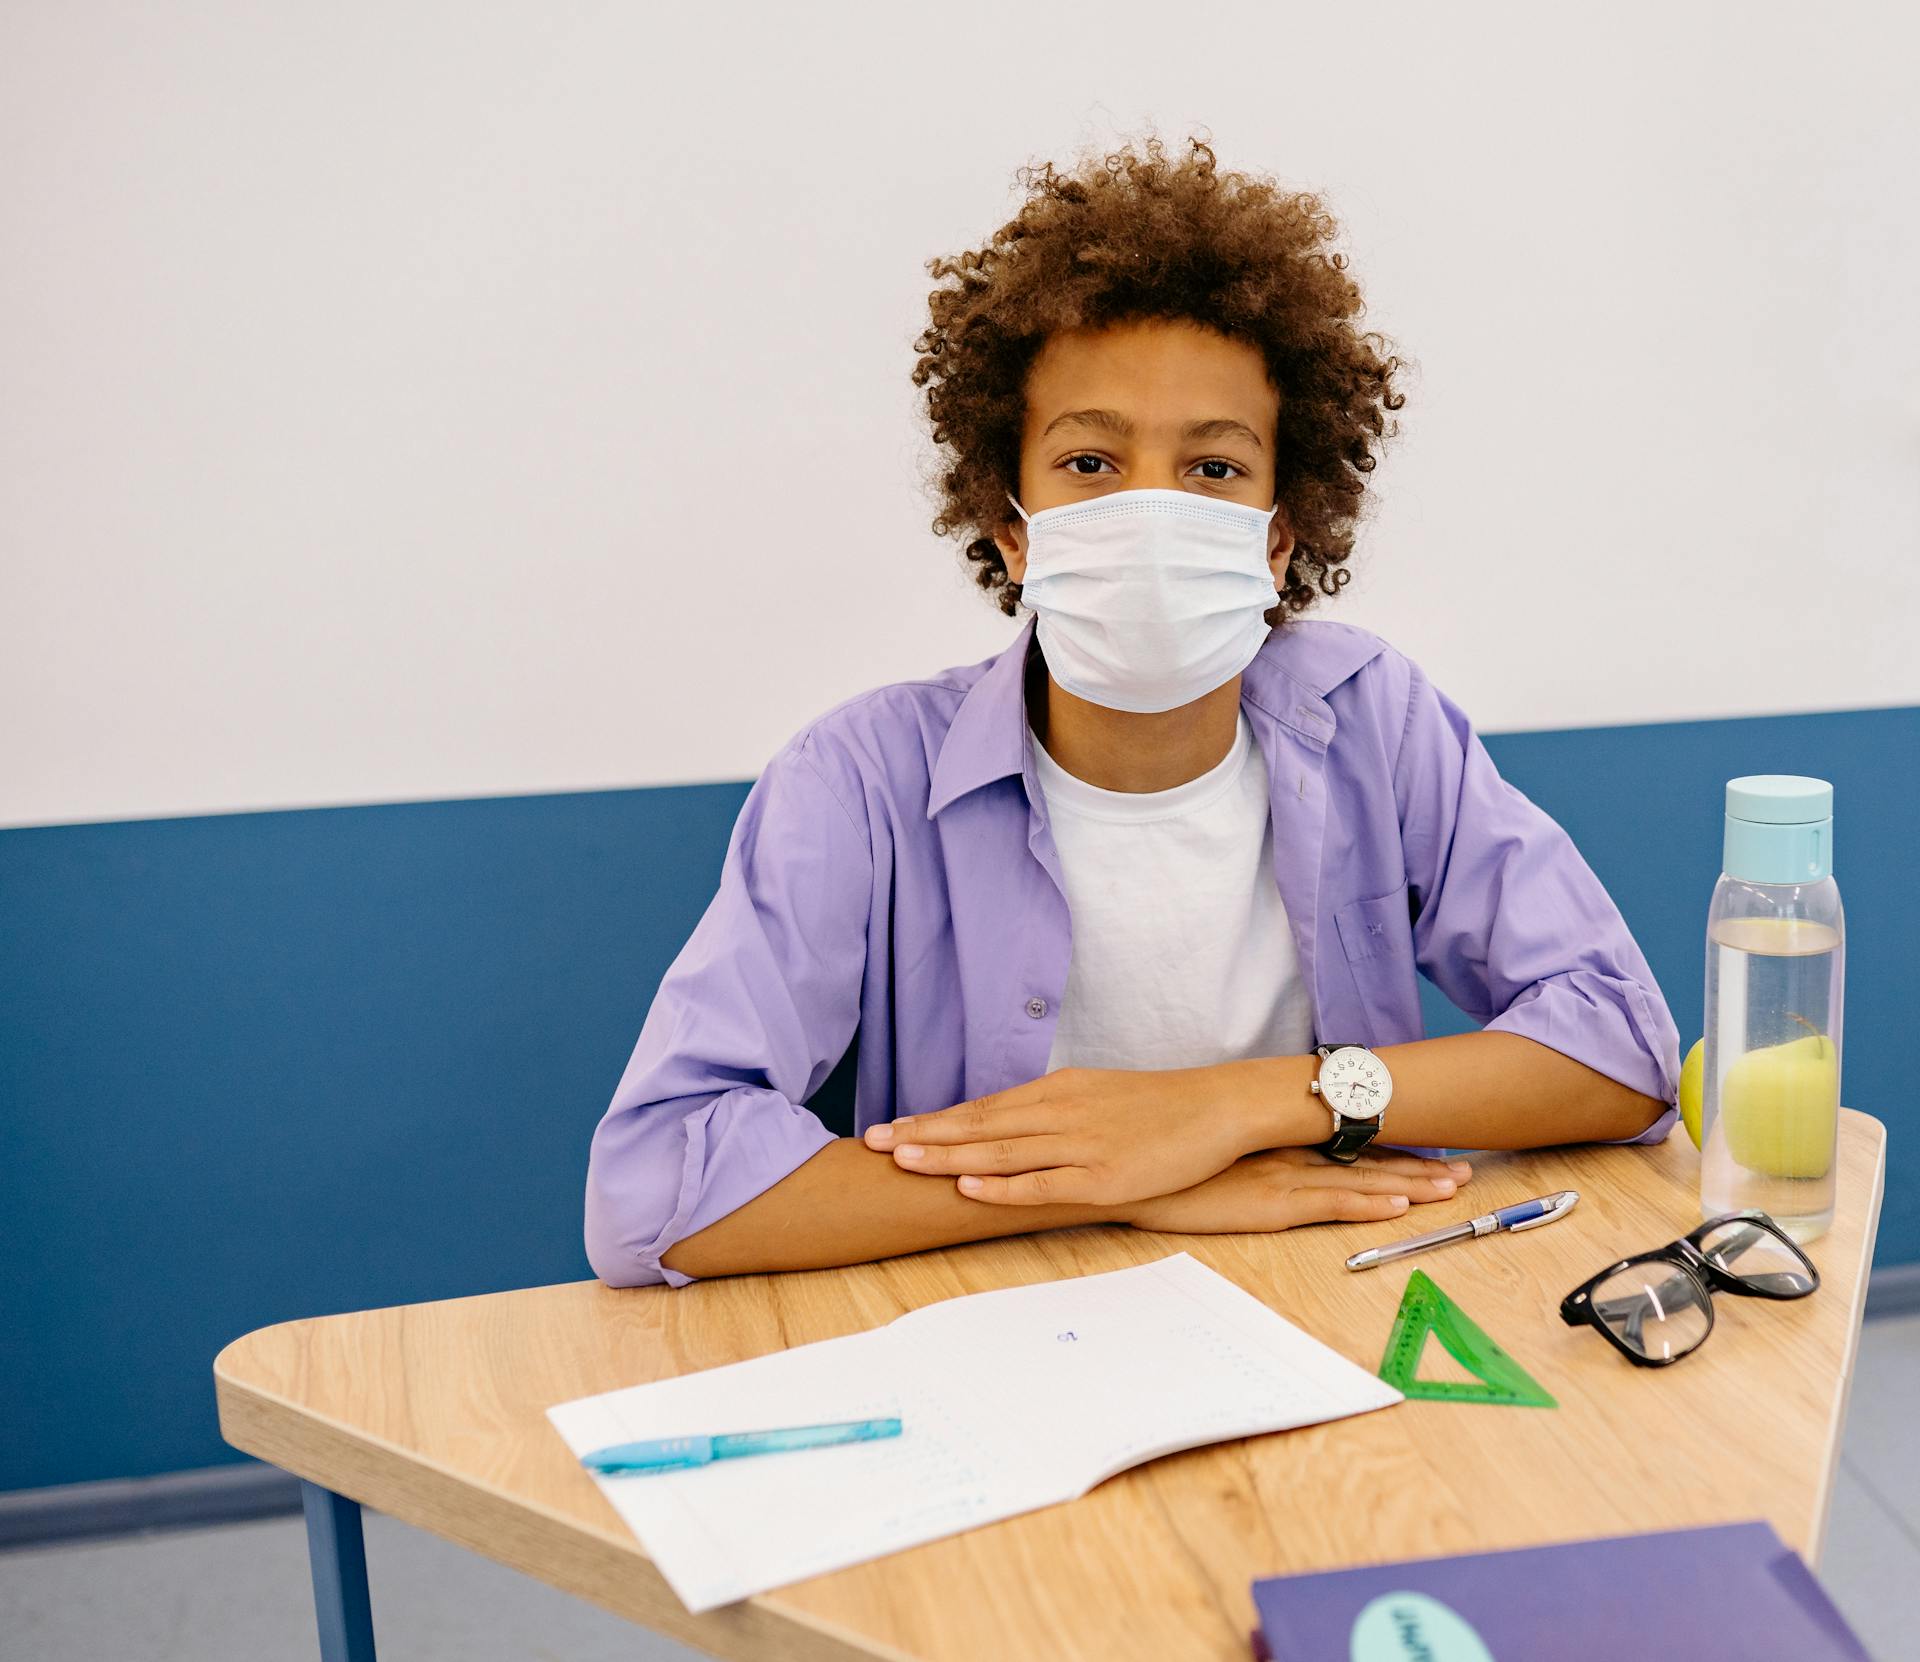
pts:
[1779, 828]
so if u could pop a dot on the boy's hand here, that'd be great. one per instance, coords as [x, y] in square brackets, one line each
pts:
[1284, 1187]
[1098, 1136]
[1102, 1136]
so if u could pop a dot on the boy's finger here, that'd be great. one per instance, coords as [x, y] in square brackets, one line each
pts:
[1003, 1156]
[1033, 1188]
[1362, 1181]
[1345, 1206]
[965, 1122]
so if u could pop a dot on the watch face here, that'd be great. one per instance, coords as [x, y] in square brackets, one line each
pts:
[1356, 1082]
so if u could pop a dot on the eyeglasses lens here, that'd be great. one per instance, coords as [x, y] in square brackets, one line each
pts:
[1757, 1256]
[1657, 1309]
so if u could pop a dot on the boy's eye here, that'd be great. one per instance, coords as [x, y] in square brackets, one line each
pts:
[1098, 460]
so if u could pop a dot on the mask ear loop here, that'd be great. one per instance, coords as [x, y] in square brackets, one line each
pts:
[1022, 512]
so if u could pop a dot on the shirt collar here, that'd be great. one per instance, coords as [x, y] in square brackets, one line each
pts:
[1287, 681]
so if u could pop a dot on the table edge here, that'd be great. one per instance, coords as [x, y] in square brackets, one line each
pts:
[1856, 1320]
[816, 1636]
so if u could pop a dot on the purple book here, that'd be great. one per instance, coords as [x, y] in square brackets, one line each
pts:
[1728, 1593]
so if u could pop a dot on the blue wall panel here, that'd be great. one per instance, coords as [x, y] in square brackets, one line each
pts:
[258, 1066]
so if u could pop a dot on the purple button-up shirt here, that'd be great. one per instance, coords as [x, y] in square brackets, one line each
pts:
[892, 869]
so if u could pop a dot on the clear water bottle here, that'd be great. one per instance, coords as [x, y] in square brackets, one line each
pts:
[1776, 954]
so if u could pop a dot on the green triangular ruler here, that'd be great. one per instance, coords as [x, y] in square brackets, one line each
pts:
[1425, 1309]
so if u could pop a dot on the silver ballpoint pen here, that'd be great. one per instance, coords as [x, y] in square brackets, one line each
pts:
[1524, 1214]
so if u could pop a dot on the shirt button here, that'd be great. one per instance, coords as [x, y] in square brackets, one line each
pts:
[1036, 1007]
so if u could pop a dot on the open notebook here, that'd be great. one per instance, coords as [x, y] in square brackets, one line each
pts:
[1010, 1400]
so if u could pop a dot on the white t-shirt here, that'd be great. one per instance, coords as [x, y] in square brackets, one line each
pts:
[1182, 953]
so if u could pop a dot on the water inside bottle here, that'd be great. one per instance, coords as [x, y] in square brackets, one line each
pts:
[1771, 1096]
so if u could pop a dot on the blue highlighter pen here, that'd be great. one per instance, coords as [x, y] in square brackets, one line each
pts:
[669, 1454]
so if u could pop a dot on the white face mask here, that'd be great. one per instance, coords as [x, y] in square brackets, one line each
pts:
[1148, 599]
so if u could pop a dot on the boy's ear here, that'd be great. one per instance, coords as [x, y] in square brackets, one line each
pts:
[1011, 540]
[1280, 545]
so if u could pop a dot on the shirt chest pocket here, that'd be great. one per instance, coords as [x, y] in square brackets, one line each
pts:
[1377, 928]
[1376, 934]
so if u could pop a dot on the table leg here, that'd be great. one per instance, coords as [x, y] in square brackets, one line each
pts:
[338, 1553]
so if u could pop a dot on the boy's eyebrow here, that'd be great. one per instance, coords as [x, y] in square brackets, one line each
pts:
[1219, 427]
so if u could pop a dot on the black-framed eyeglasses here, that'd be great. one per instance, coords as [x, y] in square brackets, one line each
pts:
[1657, 1307]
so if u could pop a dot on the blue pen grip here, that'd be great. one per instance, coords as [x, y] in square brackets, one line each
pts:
[1523, 1212]
[656, 1454]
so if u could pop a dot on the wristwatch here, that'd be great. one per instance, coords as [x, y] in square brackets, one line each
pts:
[1356, 1087]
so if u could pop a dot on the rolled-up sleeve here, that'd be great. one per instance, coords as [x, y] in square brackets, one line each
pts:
[747, 1023]
[1511, 923]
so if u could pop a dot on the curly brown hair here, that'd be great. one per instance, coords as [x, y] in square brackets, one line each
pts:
[1127, 237]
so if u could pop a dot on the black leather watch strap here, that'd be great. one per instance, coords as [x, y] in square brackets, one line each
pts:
[1346, 1143]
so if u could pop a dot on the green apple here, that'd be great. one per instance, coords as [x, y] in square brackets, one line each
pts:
[1693, 1080]
[1781, 1103]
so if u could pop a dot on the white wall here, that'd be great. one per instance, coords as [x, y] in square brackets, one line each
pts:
[416, 400]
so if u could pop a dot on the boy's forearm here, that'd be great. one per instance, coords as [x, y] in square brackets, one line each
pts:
[851, 1205]
[1465, 1090]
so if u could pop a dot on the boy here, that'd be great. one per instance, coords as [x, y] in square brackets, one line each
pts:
[1128, 917]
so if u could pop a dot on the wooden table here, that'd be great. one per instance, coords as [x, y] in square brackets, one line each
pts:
[434, 1413]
